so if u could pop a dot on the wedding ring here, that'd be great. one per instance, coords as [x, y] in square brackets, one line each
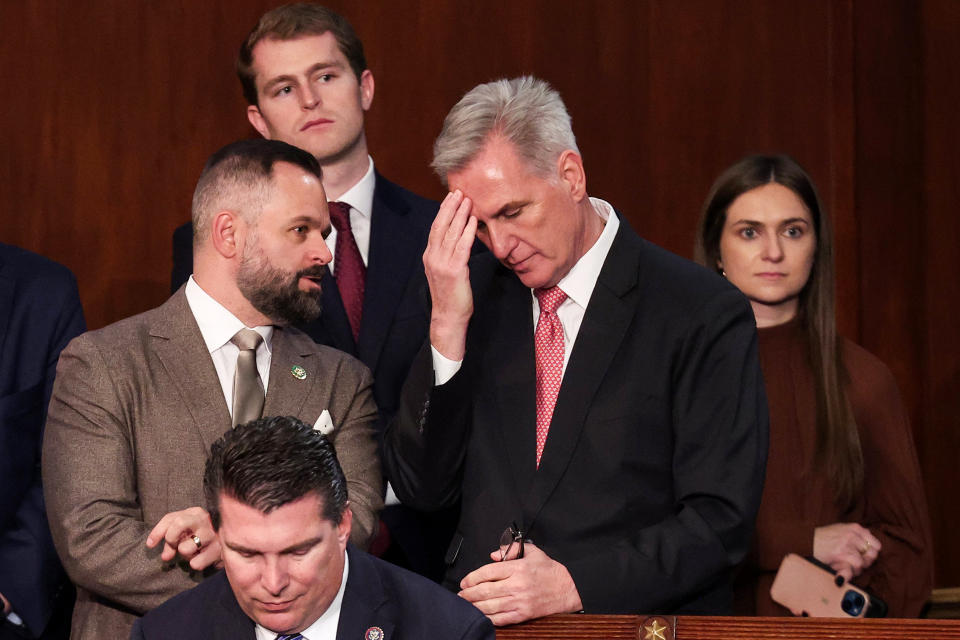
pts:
[196, 541]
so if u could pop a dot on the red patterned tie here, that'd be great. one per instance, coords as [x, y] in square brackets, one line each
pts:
[348, 270]
[548, 341]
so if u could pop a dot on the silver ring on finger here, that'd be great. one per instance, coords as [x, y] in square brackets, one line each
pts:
[197, 541]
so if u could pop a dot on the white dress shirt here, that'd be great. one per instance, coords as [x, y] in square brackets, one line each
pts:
[217, 326]
[325, 627]
[360, 199]
[578, 284]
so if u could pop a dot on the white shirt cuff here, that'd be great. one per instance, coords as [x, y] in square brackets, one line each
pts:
[443, 368]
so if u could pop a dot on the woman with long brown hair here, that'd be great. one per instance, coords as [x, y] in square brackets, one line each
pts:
[843, 483]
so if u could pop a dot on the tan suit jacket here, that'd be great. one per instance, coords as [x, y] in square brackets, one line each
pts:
[135, 409]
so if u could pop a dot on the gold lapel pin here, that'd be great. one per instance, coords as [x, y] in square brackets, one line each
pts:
[298, 372]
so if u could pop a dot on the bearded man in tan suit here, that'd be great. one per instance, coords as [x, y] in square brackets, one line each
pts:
[136, 405]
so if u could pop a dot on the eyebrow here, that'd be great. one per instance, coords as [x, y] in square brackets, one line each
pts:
[292, 78]
[305, 544]
[782, 222]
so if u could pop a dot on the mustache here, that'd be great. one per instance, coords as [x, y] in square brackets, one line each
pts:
[316, 271]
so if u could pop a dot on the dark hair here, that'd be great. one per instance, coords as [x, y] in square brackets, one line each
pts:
[838, 449]
[269, 462]
[239, 176]
[292, 21]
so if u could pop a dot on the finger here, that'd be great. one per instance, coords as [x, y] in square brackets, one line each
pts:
[493, 606]
[487, 573]
[855, 562]
[442, 221]
[169, 552]
[873, 542]
[188, 547]
[457, 224]
[159, 530]
[846, 572]
[482, 592]
[505, 618]
[465, 241]
[207, 556]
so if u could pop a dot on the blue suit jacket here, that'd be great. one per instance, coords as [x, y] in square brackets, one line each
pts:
[378, 594]
[39, 314]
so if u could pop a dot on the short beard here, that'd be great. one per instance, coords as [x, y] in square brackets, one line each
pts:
[275, 294]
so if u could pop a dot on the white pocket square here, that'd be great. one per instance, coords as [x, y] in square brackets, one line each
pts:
[324, 423]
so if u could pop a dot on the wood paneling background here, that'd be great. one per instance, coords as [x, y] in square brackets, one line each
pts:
[110, 108]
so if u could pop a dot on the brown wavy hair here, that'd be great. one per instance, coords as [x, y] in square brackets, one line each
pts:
[292, 21]
[838, 451]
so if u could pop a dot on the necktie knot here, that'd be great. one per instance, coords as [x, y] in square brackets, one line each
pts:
[339, 216]
[247, 339]
[550, 299]
[295, 636]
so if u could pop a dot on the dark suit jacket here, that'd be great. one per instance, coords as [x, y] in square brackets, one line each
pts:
[395, 323]
[653, 468]
[135, 408]
[404, 605]
[39, 313]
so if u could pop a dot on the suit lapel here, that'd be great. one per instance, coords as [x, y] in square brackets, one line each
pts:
[511, 354]
[176, 340]
[293, 376]
[365, 604]
[393, 254]
[332, 327]
[609, 313]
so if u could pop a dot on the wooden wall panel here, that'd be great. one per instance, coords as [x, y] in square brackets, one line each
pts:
[111, 108]
[936, 227]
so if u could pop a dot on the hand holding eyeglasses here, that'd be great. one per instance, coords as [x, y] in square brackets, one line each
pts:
[523, 588]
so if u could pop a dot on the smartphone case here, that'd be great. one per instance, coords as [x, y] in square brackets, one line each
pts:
[809, 588]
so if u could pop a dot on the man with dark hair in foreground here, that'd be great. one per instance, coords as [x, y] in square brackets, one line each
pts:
[278, 499]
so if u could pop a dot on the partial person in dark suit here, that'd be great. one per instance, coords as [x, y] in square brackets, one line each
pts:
[136, 405]
[278, 499]
[304, 74]
[39, 314]
[583, 391]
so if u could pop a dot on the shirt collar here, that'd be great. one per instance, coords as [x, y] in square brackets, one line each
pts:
[324, 627]
[579, 282]
[360, 195]
[217, 324]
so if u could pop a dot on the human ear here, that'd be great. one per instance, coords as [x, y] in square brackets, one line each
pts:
[225, 233]
[367, 86]
[570, 168]
[345, 526]
[258, 121]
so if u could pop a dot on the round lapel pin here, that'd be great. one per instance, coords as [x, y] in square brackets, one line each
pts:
[374, 633]
[298, 372]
